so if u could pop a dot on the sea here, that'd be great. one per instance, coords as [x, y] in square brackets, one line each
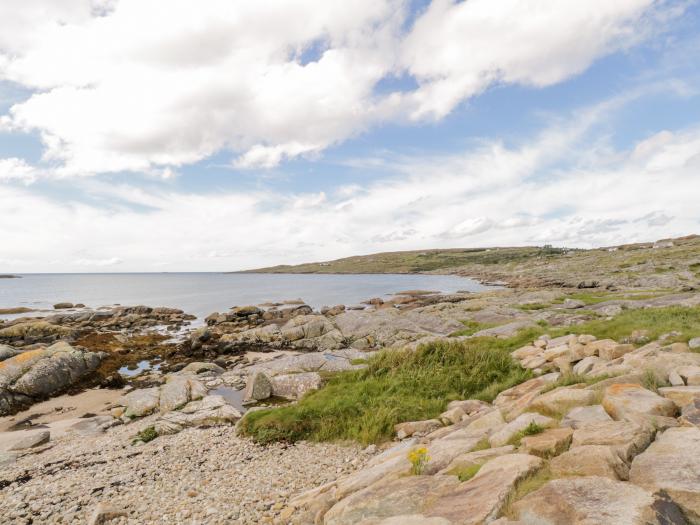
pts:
[203, 293]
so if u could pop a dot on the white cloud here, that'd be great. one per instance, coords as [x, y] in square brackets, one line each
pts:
[487, 196]
[457, 49]
[121, 86]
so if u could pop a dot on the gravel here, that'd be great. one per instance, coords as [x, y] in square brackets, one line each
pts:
[197, 476]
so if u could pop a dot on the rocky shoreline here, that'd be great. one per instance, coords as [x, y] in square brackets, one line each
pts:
[164, 445]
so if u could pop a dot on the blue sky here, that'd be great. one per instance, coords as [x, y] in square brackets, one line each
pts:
[240, 135]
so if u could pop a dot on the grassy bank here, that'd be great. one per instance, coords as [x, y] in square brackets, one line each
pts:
[396, 386]
[402, 386]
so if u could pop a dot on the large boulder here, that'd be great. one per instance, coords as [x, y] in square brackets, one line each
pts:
[672, 464]
[43, 372]
[176, 392]
[36, 331]
[295, 386]
[549, 443]
[595, 500]
[207, 412]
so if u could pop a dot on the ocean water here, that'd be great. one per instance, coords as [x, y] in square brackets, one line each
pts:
[203, 293]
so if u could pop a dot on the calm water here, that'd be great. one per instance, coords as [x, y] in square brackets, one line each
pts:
[203, 293]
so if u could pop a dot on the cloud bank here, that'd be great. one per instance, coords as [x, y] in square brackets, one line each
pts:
[150, 85]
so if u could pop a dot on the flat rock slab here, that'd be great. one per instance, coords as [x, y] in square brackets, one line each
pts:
[406, 495]
[672, 464]
[582, 416]
[476, 458]
[549, 443]
[595, 501]
[562, 399]
[32, 440]
[520, 423]
[681, 395]
[590, 460]
[482, 498]
[627, 439]
[516, 400]
[621, 401]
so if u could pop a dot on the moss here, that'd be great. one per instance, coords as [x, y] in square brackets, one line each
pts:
[466, 473]
[146, 435]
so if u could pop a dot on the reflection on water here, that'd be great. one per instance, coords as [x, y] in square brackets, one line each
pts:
[139, 368]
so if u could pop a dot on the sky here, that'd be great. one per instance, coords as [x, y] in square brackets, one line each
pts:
[174, 135]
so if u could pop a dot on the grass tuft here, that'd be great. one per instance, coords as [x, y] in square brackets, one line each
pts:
[396, 386]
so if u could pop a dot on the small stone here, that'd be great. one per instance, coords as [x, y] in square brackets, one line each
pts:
[104, 513]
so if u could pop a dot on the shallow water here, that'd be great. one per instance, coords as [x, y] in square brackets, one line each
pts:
[203, 293]
[232, 396]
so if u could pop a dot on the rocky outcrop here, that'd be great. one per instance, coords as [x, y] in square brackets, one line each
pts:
[207, 412]
[70, 325]
[672, 465]
[37, 374]
[624, 461]
[176, 392]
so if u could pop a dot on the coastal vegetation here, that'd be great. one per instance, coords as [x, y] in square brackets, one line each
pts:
[404, 385]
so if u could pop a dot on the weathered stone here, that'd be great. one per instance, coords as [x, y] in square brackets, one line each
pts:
[581, 416]
[175, 393]
[680, 395]
[295, 386]
[594, 348]
[487, 424]
[690, 415]
[689, 374]
[627, 439]
[562, 399]
[93, 426]
[409, 428]
[206, 412]
[549, 443]
[258, 387]
[452, 416]
[505, 434]
[199, 368]
[42, 372]
[585, 365]
[694, 343]
[672, 464]
[621, 401]
[469, 406]
[482, 498]
[514, 401]
[675, 379]
[610, 352]
[141, 402]
[590, 460]
[442, 451]
[594, 501]
[406, 495]
[104, 513]
[476, 458]
[32, 440]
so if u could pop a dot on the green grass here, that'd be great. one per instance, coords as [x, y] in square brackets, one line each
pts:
[471, 327]
[531, 429]
[396, 386]
[573, 379]
[400, 386]
[146, 435]
[533, 306]
[466, 473]
[656, 321]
